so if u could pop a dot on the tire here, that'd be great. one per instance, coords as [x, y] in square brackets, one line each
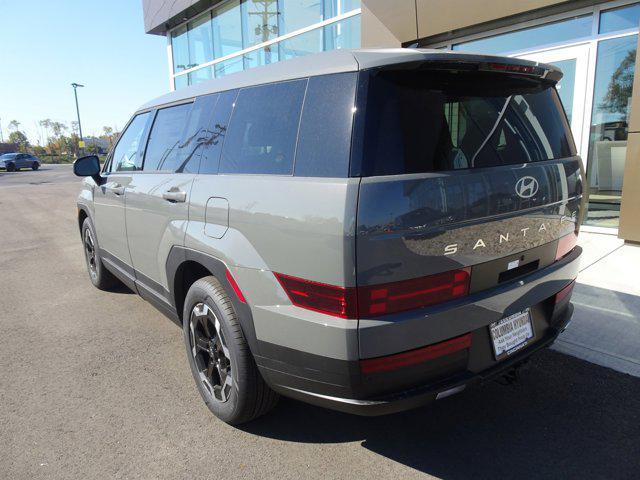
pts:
[101, 278]
[232, 386]
[11, 167]
[35, 166]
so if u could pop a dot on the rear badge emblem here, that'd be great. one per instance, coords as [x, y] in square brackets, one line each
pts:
[526, 187]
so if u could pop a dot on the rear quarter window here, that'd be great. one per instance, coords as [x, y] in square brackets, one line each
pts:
[324, 142]
[263, 130]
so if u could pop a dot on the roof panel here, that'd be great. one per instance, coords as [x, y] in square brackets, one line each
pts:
[335, 61]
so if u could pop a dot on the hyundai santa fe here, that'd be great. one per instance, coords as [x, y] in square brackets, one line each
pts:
[364, 230]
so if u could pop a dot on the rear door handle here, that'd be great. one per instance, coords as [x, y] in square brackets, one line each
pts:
[116, 188]
[175, 196]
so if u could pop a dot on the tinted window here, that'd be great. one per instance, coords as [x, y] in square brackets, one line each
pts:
[263, 130]
[425, 121]
[216, 132]
[126, 156]
[196, 134]
[620, 18]
[163, 152]
[325, 128]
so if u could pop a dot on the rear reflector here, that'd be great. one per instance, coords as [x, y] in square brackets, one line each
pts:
[376, 300]
[566, 291]
[320, 297]
[414, 357]
[566, 244]
[410, 294]
[236, 288]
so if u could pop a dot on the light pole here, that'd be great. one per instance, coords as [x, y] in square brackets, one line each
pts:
[75, 94]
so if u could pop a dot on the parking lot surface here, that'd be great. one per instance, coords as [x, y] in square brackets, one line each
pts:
[96, 385]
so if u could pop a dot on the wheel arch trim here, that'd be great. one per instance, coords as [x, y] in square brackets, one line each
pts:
[178, 258]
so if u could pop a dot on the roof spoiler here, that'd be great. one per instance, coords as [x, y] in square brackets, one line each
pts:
[445, 60]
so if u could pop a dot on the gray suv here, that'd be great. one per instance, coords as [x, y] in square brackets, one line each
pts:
[364, 230]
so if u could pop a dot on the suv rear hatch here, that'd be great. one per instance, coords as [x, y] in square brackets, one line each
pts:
[468, 167]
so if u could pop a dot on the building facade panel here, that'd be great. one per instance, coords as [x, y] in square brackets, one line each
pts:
[437, 16]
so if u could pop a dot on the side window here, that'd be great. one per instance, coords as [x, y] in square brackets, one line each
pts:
[196, 134]
[217, 131]
[324, 143]
[125, 155]
[162, 153]
[264, 129]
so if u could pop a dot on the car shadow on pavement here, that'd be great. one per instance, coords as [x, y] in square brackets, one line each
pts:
[565, 418]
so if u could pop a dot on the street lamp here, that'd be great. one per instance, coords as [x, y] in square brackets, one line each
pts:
[75, 93]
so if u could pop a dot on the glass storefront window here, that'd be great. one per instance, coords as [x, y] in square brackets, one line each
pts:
[333, 8]
[529, 38]
[343, 34]
[348, 5]
[232, 65]
[180, 49]
[615, 66]
[310, 42]
[200, 40]
[200, 75]
[263, 56]
[227, 29]
[239, 24]
[621, 18]
[260, 21]
[566, 85]
[181, 81]
[297, 14]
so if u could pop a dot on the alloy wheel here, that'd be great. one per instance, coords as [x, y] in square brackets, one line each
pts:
[210, 352]
[90, 253]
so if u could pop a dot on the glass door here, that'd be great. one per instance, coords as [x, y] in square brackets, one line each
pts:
[572, 88]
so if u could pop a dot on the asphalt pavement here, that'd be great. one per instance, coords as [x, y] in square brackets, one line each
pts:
[96, 385]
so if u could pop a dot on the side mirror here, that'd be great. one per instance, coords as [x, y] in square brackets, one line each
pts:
[88, 166]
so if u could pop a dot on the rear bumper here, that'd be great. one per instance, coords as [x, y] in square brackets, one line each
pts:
[424, 394]
[341, 384]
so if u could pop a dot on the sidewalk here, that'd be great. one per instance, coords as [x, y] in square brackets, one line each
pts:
[606, 322]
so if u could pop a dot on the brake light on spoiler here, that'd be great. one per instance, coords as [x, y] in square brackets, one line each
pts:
[376, 300]
[514, 68]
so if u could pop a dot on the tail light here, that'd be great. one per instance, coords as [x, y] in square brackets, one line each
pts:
[415, 293]
[320, 297]
[376, 300]
[414, 357]
[564, 293]
[566, 244]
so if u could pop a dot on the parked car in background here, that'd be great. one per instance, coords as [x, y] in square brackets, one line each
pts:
[15, 161]
[366, 249]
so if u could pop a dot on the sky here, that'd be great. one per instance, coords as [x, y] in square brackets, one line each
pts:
[45, 45]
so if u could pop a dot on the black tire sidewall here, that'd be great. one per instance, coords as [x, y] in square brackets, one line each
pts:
[99, 280]
[201, 292]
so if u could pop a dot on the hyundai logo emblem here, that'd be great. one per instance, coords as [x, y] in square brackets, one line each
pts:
[526, 187]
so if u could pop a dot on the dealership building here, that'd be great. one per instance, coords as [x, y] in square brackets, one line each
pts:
[593, 42]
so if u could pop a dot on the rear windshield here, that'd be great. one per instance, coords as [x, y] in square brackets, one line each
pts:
[421, 121]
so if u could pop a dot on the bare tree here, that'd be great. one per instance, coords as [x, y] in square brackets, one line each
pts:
[58, 129]
[14, 125]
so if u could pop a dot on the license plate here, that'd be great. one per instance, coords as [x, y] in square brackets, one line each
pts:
[511, 334]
